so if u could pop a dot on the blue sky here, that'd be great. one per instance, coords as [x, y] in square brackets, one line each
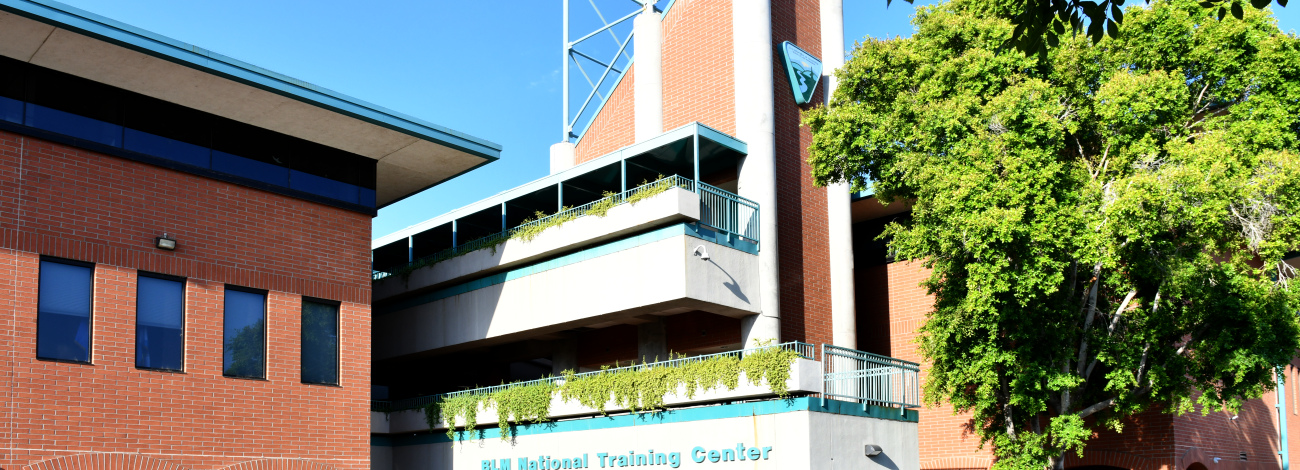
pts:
[489, 68]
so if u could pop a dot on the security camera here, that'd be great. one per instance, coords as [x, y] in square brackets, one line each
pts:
[701, 252]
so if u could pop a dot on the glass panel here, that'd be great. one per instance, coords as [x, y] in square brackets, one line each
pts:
[63, 319]
[367, 197]
[159, 335]
[245, 334]
[249, 168]
[170, 149]
[73, 125]
[320, 343]
[11, 110]
[322, 186]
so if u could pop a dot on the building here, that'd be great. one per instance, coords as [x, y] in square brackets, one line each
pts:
[184, 269]
[709, 100]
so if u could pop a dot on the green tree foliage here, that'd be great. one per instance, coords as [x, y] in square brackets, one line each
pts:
[246, 350]
[1043, 23]
[1105, 224]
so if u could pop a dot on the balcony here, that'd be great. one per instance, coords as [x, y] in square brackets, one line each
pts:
[605, 254]
[843, 377]
[591, 188]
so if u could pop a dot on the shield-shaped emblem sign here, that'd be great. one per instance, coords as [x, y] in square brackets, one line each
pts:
[805, 72]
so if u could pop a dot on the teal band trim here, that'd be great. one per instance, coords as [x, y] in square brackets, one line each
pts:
[590, 253]
[685, 415]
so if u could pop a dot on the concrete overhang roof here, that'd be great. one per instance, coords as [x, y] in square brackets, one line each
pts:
[412, 154]
[661, 140]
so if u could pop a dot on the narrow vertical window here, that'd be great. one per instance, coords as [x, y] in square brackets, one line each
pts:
[245, 333]
[320, 342]
[63, 311]
[159, 322]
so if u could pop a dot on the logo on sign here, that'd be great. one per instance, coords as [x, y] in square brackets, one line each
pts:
[804, 71]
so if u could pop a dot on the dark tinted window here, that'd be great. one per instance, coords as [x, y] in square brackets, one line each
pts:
[57, 102]
[171, 149]
[11, 110]
[63, 312]
[323, 186]
[159, 323]
[320, 342]
[251, 142]
[13, 77]
[76, 125]
[250, 168]
[245, 334]
[74, 95]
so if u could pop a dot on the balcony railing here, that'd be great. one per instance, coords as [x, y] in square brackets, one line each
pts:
[728, 213]
[849, 374]
[804, 350]
[720, 210]
[870, 379]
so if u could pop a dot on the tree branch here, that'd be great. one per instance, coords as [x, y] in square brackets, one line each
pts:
[1110, 331]
[1107, 403]
[1087, 319]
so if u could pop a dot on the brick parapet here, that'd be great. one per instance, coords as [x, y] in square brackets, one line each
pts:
[66, 202]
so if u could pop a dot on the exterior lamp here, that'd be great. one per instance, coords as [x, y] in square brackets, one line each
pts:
[872, 450]
[701, 252]
[165, 242]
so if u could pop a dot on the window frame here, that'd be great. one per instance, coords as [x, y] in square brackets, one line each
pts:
[266, 319]
[338, 342]
[90, 322]
[184, 337]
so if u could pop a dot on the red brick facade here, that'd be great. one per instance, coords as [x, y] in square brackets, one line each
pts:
[801, 216]
[612, 128]
[61, 201]
[698, 72]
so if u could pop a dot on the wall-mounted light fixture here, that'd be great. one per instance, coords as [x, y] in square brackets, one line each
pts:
[872, 450]
[701, 252]
[165, 242]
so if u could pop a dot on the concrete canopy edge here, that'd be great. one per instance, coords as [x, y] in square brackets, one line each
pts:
[453, 152]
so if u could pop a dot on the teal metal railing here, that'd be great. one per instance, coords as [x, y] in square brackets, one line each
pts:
[870, 379]
[719, 210]
[804, 350]
[728, 213]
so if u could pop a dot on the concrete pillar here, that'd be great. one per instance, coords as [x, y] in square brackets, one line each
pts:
[562, 155]
[752, 50]
[648, 91]
[652, 341]
[564, 357]
[844, 320]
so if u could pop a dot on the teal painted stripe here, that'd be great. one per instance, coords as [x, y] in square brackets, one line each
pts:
[578, 257]
[686, 415]
[381, 441]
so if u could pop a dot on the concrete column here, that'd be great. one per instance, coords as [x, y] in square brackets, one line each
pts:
[752, 51]
[844, 320]
[648, 91]
[562, 155]
[564, 357]
[652, 341]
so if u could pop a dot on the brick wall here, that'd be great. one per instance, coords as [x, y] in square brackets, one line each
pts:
[947, 441]
[698, 72]
[613, 128]
[800, 207]
[61, 201]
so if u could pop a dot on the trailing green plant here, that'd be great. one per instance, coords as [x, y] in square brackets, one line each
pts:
[533, 226]
[448, 408]
[530, 403]
[636, 389]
